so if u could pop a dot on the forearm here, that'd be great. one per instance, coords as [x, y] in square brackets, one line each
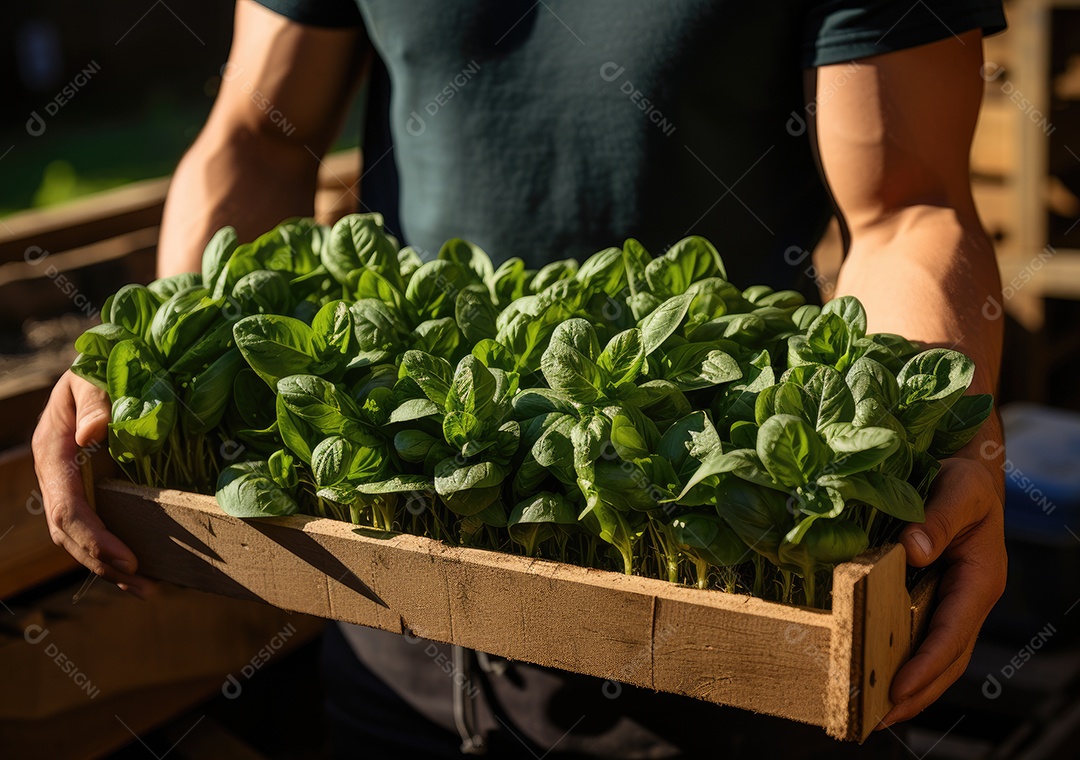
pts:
[927, 274]
[250, 181]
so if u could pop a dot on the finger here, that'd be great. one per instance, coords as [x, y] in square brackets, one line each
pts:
[955, 505]
[92, 413]
[919, 701]
[143, 588]
[969, 589]
[72, 523]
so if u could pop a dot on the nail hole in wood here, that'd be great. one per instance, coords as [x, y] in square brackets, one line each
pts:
[873, 677]
[890, 639]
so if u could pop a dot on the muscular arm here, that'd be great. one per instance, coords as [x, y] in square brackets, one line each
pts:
[245, 170]
[284, 93]
[893, 143]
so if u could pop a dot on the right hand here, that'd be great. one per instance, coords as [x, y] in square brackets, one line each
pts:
[77, 415]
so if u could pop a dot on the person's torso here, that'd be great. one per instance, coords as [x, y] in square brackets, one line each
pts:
[554, 129]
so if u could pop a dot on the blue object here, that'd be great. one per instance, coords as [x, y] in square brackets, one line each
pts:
[1042, 474]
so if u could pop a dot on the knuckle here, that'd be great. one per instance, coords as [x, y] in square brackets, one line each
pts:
[56, 535]
[93, 550]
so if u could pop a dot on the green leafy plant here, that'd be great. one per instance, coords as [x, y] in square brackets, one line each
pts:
[632, 413]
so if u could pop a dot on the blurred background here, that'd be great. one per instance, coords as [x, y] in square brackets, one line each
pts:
[101, 106]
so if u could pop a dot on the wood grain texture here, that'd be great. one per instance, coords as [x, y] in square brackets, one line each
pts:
[118, 644]
[723, 648]
[28, 555]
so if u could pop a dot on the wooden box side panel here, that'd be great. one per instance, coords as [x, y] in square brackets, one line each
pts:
[872, 639]
[722, 648]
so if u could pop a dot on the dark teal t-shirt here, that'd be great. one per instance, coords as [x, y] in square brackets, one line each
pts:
[553, 129]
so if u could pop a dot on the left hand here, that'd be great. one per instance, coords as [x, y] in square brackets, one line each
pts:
[965, 525]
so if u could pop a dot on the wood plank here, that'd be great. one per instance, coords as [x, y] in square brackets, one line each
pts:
[111, 644]
[210, 741]
[28, 555]
[20, 412]
[122, 210]
[994, 146]
[726, 648]
[97, 217]
[95, 730]
[78, 280]
[886, 638]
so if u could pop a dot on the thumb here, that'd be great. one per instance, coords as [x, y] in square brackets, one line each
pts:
[959, 500]
[92, 412]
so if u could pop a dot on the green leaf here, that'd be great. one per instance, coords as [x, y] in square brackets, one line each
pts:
[710, 538]
[433, 289]
[358, 242]
[568, 363]
[851, 311]
[791, 450]
[414, 409]
[468, 256]
[141, 423]
[476, 314]
[209, 392]
[452, 476]
[885, 493]
[758, 515]
[532, 521]
[94, 346]
[248, 490]
[432, 373]
[860, 449]
[664, 321]
[871, 379]
[623, 357]
[276, 346]
[439, 337]
[472, 390]
[626, 440]
[133, 308]
[687, 261]
[824, 398]
[377, 331]
[960, 424]
[332, 330]
[604, 271]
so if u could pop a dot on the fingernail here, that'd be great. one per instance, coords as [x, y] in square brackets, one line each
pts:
[123, 565]
[923, 542]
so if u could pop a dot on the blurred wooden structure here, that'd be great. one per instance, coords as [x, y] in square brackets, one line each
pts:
[150, 673]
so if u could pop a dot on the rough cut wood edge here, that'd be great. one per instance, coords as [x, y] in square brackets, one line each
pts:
[872, 638]
[723, 648]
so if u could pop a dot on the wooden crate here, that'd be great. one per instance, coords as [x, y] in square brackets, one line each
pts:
[832, 669]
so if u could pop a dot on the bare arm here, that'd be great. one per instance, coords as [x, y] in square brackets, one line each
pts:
[284, 93]
[245, 169]
[893, 144]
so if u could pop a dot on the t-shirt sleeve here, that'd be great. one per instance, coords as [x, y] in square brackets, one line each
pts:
[836, 31]
[334, 14]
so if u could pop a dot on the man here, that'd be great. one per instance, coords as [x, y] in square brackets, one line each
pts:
[552, 129]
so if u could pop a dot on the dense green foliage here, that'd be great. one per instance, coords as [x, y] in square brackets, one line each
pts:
[635, 413]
